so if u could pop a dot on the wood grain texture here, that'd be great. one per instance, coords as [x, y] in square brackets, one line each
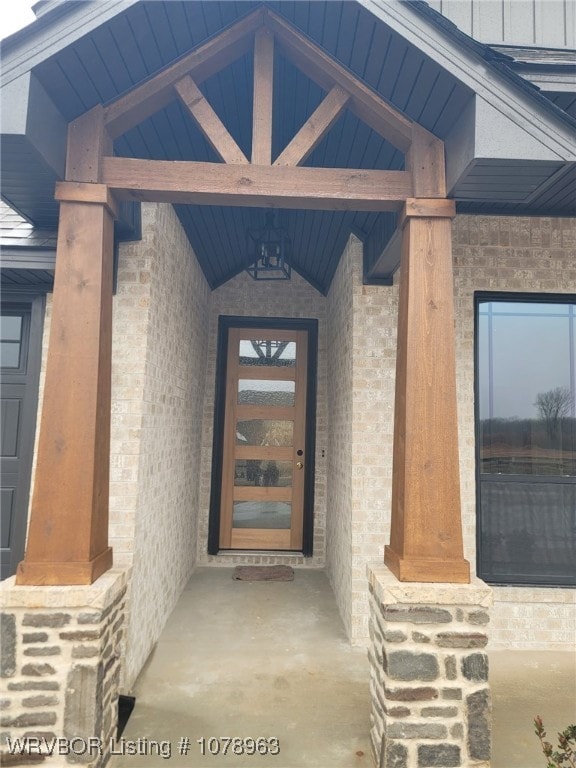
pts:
[426, 531]
[252, 185]
[209, 122]
[64, 573]
[68, 530]
[88, 142]
[268, 539]
[256, 538]
[315, 128]
[381, 116]
[263, 97]
[81, 192]
[425, 160]
[155, 93]
[69, 512]
[431, 208]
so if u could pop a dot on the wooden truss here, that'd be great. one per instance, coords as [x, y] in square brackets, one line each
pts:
[68, 541]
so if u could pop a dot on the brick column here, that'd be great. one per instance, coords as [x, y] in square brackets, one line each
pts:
[431, 701]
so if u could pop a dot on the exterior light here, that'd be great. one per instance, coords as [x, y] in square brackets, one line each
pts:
[269, 251]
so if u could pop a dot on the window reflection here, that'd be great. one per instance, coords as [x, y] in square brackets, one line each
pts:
[262, 514]
[527, 375]
[266, 392]
[264, 432]
[269, 473]
[267, 352]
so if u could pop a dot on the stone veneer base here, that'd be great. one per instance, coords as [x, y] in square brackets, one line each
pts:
[431, 705]
[60, 668]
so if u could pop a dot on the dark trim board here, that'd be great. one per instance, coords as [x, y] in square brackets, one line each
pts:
[517, 297]
[33, 302]
[225, 322]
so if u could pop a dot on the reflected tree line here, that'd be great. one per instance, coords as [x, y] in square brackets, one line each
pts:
[545, 445]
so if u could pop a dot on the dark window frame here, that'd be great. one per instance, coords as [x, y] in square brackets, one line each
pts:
[225, 323]
[481, 297]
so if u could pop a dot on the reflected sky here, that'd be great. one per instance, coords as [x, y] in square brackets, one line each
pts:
[524, 349]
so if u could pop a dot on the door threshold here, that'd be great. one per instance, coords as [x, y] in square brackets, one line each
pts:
[258, 553]
[258, 557]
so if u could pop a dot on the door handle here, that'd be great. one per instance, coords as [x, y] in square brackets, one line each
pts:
[300, 465]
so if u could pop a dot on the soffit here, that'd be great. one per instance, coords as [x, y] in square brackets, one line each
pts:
[28, 253]
[145, 37]
[138, 41]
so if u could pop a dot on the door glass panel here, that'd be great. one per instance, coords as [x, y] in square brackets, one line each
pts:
[11, 328]
[265, 352]
[9, 354]
[277, 474]
[264, 432]
[261, 392]
[262, 514]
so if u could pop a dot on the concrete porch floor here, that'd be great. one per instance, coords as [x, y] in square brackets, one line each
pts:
[271, 659]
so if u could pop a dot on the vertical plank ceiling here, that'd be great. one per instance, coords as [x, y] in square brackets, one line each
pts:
[140, 41]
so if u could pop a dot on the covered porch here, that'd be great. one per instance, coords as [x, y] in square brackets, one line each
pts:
[393, 418]
[273, 660]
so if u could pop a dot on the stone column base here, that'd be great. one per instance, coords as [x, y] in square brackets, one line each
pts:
[60, 669]
[431, 705]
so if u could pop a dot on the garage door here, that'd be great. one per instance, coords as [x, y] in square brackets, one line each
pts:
[20, 346]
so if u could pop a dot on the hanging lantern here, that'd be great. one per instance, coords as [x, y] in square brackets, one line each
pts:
[268, 251]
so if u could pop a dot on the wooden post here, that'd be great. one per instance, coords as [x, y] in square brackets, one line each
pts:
[68, 533]
[426, 531]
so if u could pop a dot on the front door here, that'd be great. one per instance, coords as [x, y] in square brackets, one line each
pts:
[264, 449]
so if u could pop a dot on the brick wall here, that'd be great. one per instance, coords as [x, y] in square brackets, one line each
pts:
[375, 319]
[362, 362]
[524, 255]
[340, 449]
[246, 297]
[490, 253]
[168, 440]
[165, 325]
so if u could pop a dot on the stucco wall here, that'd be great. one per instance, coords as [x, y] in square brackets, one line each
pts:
[168, 441]
[246, 297]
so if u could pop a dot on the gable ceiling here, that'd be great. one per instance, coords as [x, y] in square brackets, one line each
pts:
[148, 35]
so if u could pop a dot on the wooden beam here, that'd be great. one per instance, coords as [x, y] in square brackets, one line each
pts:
[315, 128]
[210, 124]
[88, 141]
[381, 116]
[68, 531]
[262, 102]
[425, 161]
[426, 530]
[155, 93]
[256, 185]
[80, 192]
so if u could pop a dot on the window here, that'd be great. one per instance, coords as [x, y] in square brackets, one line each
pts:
[526, 439]
[10, 340]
